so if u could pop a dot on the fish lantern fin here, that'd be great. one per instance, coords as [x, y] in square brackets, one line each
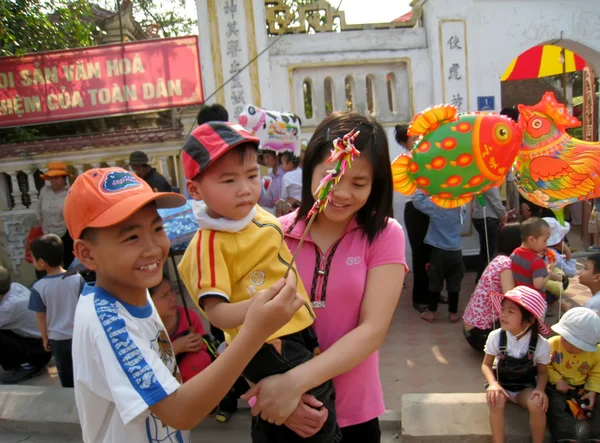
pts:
[560, 215]
[480, 199]
[431, 119]
[403, 183]
[450, 203]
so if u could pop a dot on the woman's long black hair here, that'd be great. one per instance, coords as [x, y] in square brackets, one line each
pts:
[371, 143]
[509, 239]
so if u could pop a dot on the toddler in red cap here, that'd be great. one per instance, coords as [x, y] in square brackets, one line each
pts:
[516, 359]
[238, 250]
[127, 384]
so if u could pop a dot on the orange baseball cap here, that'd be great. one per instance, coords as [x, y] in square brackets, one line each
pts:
[104, 197]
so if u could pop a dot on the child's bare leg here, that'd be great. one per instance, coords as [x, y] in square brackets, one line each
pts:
[537, 416]
[496, 414]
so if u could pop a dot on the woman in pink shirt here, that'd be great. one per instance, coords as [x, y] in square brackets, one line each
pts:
[353, 264]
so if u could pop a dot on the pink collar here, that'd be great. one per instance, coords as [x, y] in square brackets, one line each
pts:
[260, 122]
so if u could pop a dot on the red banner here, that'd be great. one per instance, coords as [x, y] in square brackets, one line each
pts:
[99, 81]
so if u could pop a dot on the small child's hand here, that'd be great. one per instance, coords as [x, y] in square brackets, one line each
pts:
[542, 399]
[591, 396]
[562, 386]
[46, 344]
[550, 267]
[494, 394]
[272, 308]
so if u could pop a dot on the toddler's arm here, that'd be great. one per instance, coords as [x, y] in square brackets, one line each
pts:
[225, 315]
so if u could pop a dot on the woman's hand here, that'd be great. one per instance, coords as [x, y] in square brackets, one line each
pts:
[188, 343]
[308, 418]
[277, 397]
[494, 393]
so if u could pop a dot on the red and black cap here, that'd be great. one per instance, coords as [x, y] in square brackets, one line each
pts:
[210, 141]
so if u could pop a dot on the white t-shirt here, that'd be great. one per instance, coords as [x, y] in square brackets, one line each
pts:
[15, 316]
[291, 186]
[594, 302]
[517, 348]
[123, 363]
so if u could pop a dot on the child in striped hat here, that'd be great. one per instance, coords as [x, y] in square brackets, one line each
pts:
[516, 359]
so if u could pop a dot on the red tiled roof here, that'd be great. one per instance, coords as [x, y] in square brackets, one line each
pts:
[57, 145]
[404, 18]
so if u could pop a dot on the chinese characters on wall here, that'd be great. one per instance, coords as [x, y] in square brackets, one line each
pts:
[234, 50]
[454, 64]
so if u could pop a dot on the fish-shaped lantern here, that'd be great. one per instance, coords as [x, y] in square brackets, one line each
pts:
[553, 169]
[458, 156]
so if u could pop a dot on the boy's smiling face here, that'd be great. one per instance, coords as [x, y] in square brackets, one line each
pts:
[127, 257]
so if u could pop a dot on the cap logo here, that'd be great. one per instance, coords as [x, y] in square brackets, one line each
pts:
[115, 181]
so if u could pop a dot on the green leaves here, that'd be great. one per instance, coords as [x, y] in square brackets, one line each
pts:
[33, 26]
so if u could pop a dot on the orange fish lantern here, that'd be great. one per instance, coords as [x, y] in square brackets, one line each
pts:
[458, 157]
[553, 169]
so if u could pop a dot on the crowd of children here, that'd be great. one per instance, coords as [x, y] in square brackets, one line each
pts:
[556, 380]
[127, 348]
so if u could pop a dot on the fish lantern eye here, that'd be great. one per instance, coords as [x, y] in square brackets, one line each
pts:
[502, 133]
[251, 110]
[536, 123]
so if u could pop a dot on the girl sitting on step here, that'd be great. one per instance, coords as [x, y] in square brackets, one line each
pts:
[515, 360]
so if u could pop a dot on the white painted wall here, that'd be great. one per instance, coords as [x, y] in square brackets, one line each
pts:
[500, 30]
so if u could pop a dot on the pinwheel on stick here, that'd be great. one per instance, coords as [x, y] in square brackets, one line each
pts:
[342, 154]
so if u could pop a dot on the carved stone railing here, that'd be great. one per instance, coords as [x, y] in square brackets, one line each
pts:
[320, 16]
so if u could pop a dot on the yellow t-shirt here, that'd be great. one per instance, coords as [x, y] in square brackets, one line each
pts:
[236, 265]
[575, 369]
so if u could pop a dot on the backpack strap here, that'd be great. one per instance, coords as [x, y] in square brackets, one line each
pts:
[532, 346]
[502, 349]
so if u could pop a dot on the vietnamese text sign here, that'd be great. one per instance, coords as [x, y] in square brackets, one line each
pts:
[99, 81]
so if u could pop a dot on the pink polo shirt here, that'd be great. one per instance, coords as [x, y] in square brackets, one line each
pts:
[336, 284]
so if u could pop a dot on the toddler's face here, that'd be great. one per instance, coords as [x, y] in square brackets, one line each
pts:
[569, 347]
[511, 318]
[538, 244]
[231, 186]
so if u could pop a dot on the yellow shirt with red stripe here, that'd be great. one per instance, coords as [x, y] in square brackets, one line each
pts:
[236, 265]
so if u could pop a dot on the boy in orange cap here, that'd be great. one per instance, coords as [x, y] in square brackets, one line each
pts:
[127, 385]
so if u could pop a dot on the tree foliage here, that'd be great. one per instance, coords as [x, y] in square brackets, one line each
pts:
[32, 26]
[43, 25]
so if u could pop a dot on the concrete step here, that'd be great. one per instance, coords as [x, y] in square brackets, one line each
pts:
[458, 418]
[48, 415]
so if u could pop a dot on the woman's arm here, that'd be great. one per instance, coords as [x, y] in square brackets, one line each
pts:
[279, 395]
[507, 281]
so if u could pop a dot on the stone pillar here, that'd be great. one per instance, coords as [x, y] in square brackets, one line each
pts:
[232, 33]
[164, 169]
[16, 192]
[33, 193]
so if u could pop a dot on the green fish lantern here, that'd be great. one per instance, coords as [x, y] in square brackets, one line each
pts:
[458, 157]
